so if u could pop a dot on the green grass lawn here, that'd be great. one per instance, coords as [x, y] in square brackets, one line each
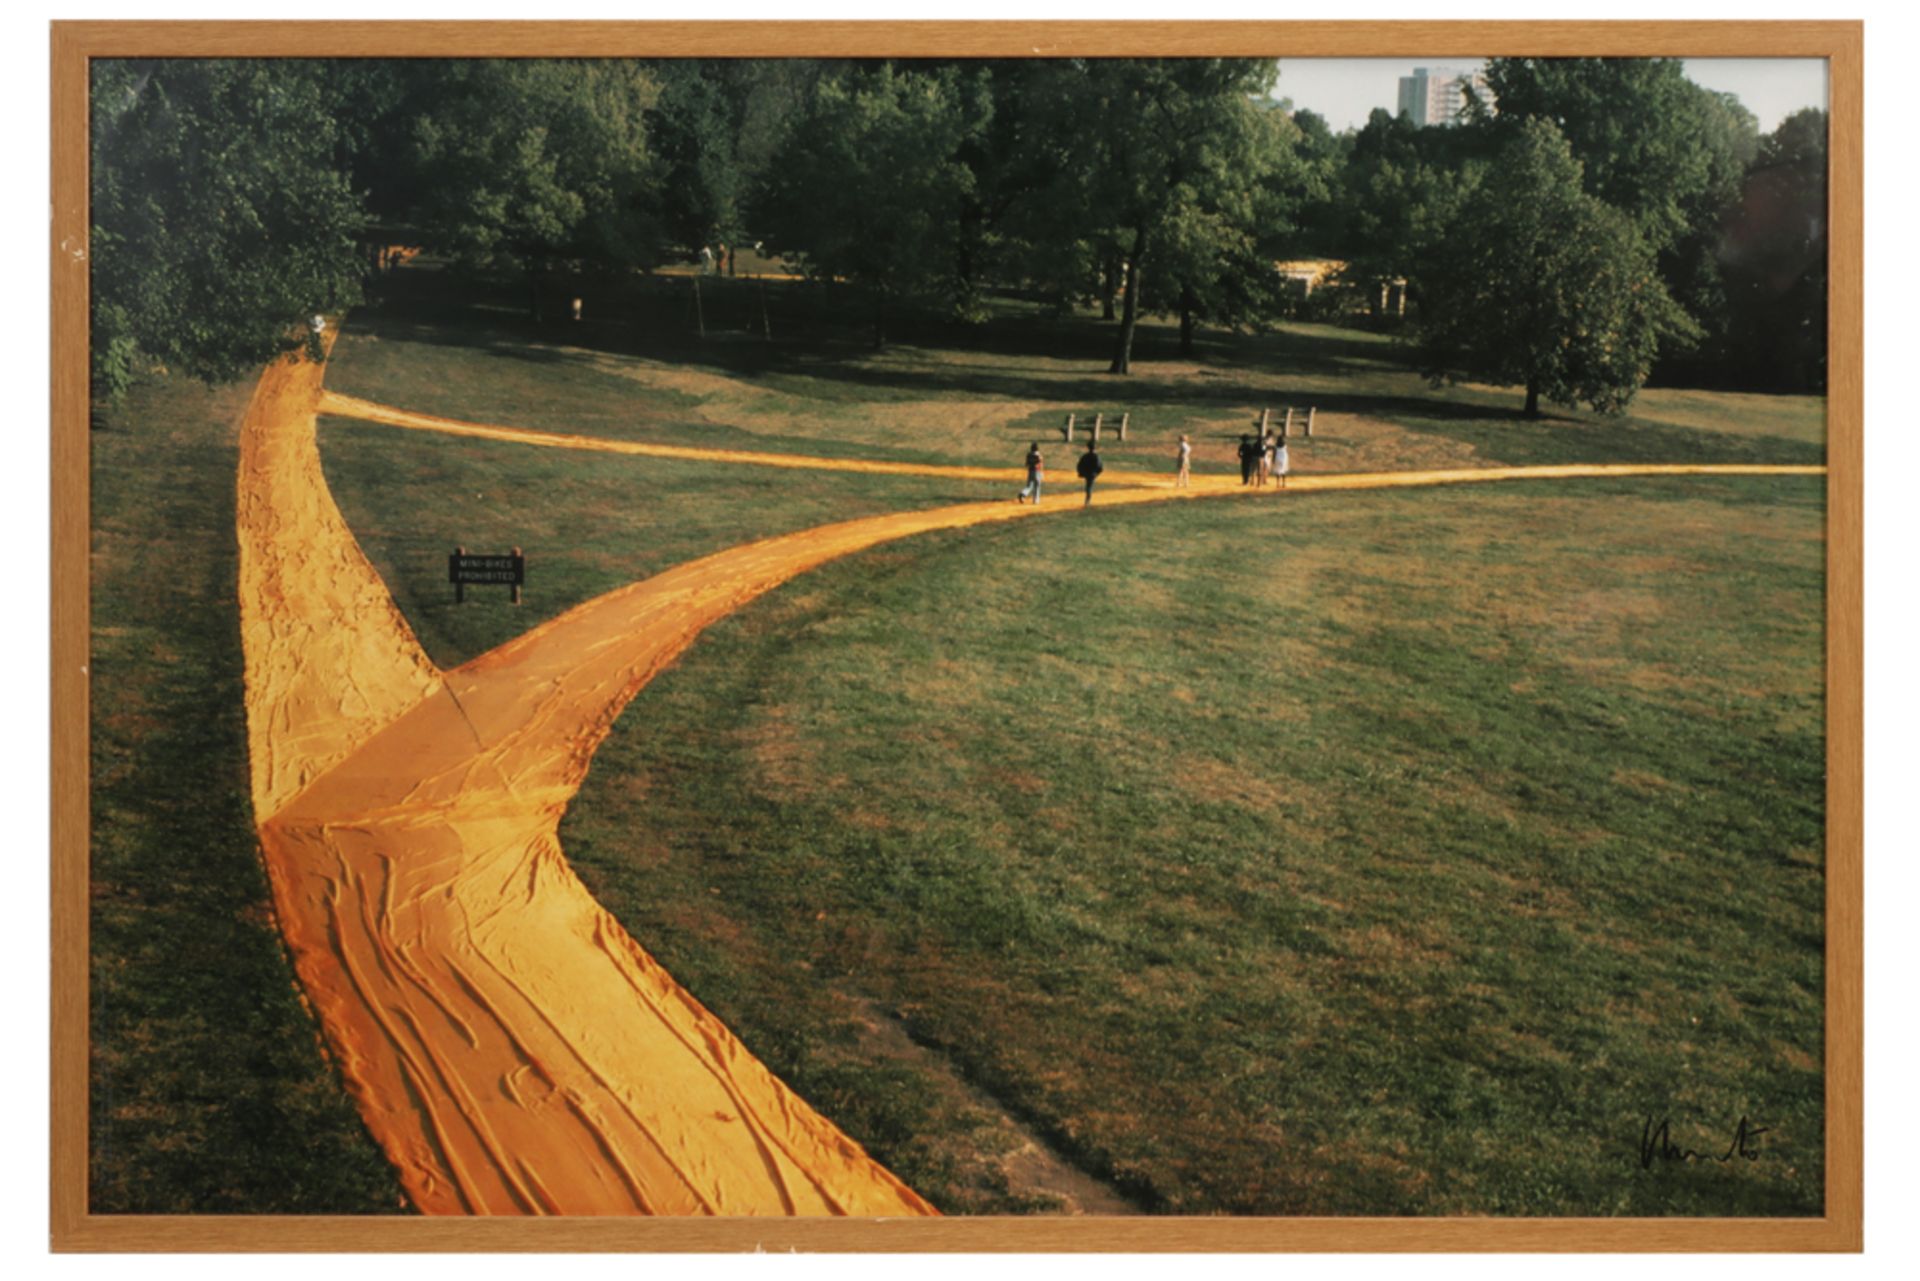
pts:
[588, 523]
[948, 393]
[1376, 853]
[209, 1091]
[1383, 852]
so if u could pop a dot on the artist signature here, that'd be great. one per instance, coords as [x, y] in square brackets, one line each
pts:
[1656, 1144]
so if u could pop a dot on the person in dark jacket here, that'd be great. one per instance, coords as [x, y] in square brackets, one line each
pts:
[1248, 453]
[1089, 468]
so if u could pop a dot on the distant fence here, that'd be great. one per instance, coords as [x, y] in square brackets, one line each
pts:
[1264, 421]
[1076, 421]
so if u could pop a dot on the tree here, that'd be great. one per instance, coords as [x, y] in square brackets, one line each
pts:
[1542, 285]
[1773, 254]
[1399, 193]
[1154, 163]
[870, 186]
[529, 163]
[696, 178]
[222, 215]
[1692, 265]
[1653, 144]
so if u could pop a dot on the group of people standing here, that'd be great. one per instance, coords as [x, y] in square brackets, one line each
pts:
[1261, 461]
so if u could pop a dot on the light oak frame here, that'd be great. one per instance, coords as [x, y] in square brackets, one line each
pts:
[73, 1228]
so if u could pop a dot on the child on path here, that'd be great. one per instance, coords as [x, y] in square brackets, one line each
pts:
[1089, 468]
[1280, 464]
[1186, 460]
[1036, 472]
[1263, 460]
[1246, 458]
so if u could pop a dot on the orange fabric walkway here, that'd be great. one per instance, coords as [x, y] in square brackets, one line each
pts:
[511, 1048]
[1063, 483]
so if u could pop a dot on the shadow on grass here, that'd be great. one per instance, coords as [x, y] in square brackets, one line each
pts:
[822, 350]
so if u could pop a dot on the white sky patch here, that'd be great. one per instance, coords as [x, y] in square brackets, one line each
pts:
[1345, 90]
[1771, 88]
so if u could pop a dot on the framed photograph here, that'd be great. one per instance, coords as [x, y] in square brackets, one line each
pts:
[957, 636]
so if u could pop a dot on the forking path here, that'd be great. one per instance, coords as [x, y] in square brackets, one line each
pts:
[511, 1048]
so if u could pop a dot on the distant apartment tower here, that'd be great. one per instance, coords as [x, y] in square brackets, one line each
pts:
[1436, 95]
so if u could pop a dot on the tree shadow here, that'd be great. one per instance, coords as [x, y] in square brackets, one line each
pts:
[821, 340]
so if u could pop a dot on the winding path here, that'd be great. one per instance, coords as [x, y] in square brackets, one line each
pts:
[512, 1049]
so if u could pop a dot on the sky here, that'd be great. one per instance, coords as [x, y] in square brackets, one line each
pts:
[1344, 90]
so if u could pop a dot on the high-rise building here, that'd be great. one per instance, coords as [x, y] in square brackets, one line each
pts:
[1436, 95]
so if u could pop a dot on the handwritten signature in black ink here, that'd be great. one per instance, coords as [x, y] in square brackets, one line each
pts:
[1656, 1144]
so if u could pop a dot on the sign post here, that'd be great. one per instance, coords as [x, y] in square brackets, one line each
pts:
[464, 568]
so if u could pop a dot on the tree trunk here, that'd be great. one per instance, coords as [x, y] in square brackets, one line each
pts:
[1108, 270]
[1129, 308]
[1186, 321]
[963, 254]
[1533, 398]
[533, 293]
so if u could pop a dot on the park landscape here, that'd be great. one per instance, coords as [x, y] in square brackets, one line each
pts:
[826, 832]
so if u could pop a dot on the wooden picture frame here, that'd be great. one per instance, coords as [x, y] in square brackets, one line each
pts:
[74, 44]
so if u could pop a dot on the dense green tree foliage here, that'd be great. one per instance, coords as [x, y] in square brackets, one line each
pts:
[1154, 166]
[1541, 285]
[1653, 144]
[1399, 197]
[234, 198]
[530, 163]
[1773, 256]
[1663, 150]
[870, 187]
[221, 216]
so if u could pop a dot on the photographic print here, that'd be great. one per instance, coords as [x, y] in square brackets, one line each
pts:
[1079, 639]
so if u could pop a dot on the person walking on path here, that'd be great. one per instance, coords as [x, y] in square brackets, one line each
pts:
[1180, 477]
[1246, 458]
[1036, 472]
[1089, 468]
[1280, 463]
[1263, 460]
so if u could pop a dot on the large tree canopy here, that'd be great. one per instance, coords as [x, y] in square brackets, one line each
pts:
[529, 162]
[1153, 164]
[1653, 144]
[870, 186]
[230, 196]
[221, 213]
[1540, 284]
[1399, 194]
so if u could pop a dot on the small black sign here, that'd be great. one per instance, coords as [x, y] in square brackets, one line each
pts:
[464, 568]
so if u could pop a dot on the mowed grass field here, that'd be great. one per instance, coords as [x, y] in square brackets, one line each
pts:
[1392, 854]
[1348, 853]
[952, 394]
[587, 523]
[1382, 853]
